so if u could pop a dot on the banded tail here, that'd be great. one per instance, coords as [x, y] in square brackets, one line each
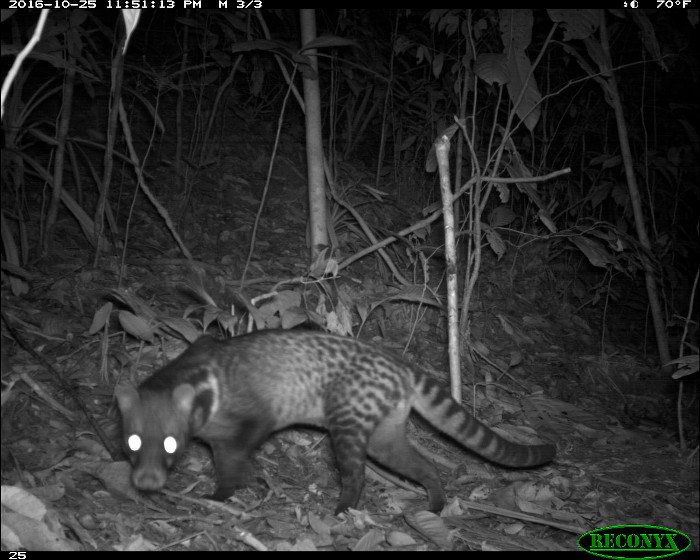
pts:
[435, 404]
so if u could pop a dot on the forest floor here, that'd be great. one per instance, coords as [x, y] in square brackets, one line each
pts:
[553, 374]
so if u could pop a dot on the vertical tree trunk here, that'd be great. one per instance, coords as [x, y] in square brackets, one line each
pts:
[652, 290]
[318, 231]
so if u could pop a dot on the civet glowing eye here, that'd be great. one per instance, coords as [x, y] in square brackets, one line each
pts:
[170, 444]
[134, 442]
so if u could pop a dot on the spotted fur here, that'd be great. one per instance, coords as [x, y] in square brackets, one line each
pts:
[233, 394]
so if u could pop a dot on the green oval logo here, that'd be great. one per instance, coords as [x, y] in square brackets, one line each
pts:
[634, 541]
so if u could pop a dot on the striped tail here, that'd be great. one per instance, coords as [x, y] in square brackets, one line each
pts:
[436, 405]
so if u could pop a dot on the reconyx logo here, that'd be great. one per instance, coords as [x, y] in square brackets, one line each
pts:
[634, 541]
